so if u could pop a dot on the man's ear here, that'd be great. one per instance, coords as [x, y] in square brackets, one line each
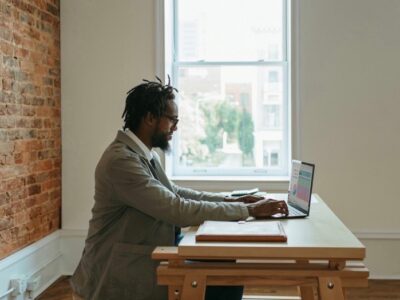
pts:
[150, 119]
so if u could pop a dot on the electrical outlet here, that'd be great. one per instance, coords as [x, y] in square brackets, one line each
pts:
[33, 284]
[19, 285]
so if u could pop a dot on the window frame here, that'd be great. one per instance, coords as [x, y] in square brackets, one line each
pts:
[165, 65]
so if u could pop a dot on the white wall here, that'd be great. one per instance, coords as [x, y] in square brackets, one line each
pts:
[348, 69]
[106, 48]
[349, 83]
[349, 105]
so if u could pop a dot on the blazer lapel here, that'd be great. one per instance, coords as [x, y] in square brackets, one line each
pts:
[161, 176]
[157, 172]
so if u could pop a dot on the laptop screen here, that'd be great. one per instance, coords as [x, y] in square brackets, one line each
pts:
[300, 186]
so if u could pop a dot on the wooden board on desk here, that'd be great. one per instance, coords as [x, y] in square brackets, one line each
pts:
[257, 231]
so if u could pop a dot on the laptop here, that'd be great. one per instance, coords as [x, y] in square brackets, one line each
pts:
[300, 189]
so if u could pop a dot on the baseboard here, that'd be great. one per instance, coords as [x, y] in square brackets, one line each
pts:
[41, 259]
[72, 243]
[377, 235]
[46, 284]
[384, 277]
[58, 254]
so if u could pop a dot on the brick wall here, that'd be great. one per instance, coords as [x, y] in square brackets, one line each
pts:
[30, 134]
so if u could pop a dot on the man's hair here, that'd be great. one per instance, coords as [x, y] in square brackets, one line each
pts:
[150, 96]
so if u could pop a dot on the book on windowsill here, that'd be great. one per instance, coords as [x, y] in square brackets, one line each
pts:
[241, 231]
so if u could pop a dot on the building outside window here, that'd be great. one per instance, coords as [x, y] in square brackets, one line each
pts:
[229, 63]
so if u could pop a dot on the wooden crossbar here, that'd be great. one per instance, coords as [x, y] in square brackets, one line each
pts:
[181, 275]
[187, 278]
[351, 277]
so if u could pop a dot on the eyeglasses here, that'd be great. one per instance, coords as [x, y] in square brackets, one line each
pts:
[173, 119]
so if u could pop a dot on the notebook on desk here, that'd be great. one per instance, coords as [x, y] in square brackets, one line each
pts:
[241, 231]
[300, 190]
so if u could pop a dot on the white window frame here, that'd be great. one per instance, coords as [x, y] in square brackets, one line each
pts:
[164, 48]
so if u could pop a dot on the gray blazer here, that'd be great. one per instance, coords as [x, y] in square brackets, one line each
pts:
[136, 209]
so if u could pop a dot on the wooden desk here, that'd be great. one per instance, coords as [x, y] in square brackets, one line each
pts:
[317, 255]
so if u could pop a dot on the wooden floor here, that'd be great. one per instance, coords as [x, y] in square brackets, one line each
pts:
[377, 290]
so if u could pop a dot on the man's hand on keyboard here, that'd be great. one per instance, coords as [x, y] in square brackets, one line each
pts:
[267, 207]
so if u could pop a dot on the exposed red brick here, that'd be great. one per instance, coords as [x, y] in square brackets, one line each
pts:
[29, 202]
[15, 183]
[5, 223]
[21, 217]
[30, 134]
[34, 189]
[42, 198]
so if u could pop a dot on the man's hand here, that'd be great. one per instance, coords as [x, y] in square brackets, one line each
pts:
[266, 208]
[245, 199]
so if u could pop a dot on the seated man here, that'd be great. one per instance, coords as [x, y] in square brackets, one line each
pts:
[137, 208]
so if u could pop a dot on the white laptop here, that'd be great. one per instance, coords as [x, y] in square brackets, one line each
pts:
[300, 189]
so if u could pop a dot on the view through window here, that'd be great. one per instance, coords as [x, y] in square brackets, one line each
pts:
[230, 67]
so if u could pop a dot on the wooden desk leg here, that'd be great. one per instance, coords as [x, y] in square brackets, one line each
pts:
[306, 292]
[194, 287]
[174, 292]
[330, 288]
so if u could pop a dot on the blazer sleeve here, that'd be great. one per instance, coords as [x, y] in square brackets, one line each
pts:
[197, 195]
[133, 185]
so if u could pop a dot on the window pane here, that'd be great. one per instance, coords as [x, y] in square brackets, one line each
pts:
[234, 30]
[272, 150]
[272, 116]
[231, 117]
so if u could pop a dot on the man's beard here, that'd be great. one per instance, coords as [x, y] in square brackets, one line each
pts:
[160, 140]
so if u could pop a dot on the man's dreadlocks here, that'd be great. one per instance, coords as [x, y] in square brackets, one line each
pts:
[150, 96]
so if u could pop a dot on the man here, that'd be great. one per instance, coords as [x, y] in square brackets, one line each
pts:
[137, 208]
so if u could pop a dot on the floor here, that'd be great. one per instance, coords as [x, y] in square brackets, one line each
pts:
[377, 290]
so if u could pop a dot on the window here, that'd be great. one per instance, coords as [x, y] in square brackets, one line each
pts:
[271, 150]
[272, 116]
[231, 69]
[273, 77]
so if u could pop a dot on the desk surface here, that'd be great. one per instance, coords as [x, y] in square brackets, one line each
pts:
[320, 236]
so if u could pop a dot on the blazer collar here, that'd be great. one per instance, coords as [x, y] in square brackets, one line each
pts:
[124, 138]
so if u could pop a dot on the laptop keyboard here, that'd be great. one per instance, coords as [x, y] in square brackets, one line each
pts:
[294, 212]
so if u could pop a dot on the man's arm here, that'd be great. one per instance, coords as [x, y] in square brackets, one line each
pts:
[198, 195]
[257, 206]
[133, 186]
